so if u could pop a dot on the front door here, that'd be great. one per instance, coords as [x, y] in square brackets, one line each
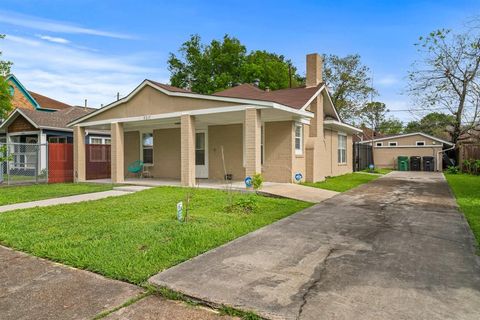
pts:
[201, 154]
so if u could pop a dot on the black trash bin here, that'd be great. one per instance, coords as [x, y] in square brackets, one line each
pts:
[428, 163]
[415, 163]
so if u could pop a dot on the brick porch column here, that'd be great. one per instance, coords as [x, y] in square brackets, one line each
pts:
[253, 127]
[79, 162]
[117, 155]
[187, 132]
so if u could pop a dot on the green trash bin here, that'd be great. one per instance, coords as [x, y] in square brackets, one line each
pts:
[403, 164]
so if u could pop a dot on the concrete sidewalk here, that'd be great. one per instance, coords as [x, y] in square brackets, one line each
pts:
[35, 288]
[119, 191]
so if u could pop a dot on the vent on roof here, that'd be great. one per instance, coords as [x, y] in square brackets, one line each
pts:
[256, 82]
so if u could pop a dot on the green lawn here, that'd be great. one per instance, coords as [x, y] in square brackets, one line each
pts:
[17, 194]
[344, 182]
[135, 236]
[467, 191]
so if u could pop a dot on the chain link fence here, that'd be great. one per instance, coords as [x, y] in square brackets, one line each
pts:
[25, 163]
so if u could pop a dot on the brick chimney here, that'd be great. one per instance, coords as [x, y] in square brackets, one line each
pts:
[314, 69]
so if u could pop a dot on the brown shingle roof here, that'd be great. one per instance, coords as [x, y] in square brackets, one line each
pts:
[56, 119]
[169, 87]
[292, 97]
[48, 103]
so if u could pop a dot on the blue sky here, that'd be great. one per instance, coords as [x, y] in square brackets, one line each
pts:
[72, 50]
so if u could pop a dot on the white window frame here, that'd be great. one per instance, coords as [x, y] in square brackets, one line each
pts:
[393, 144]
[102, 139]
[420, 145]
[298, 152]
[343, 135]
[141, 148]
[378, 144]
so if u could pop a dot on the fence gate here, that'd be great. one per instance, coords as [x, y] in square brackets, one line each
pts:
[25, 163]
[60, 162]
[362, 156]
[97, 161]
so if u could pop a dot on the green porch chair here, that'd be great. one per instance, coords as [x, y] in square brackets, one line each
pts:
[136, 167]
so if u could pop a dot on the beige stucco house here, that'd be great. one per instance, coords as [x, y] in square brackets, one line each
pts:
[239, 131]
[387, 149]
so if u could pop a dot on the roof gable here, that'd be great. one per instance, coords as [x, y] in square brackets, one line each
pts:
[178, 93]
[23, 90]
[37, 100]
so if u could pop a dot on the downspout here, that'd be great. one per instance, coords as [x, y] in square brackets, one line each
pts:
[442, 151]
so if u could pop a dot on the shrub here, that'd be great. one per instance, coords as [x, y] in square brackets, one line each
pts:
[246, 204]
[476, 166]
[467, 166]
[453, 169]
[257, 181]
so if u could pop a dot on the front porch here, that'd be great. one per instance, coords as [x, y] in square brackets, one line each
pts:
[208, 145]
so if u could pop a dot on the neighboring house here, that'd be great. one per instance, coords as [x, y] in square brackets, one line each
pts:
[387, 149]
[367, 134]
[239, 132]
[37, 119]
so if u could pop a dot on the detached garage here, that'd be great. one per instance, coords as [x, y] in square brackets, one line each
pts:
[386, 150]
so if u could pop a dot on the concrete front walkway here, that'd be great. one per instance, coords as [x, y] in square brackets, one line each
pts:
[284, 190]
[395, 248]
[119, 191]
[297, 192]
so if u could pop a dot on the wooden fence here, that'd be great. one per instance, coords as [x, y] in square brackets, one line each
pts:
[97, 161]
[60, 162]
[470, 151]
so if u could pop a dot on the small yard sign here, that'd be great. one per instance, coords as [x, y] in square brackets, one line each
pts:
[180, 211]
[248, 182]
[298, 177]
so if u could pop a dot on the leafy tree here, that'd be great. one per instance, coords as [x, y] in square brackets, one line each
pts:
[273, 71]
[5, 97]
[221, 63]
[447, 77]
[207, 68]
[348, 80]
[436, 124]
[391, 126]
[374, 114]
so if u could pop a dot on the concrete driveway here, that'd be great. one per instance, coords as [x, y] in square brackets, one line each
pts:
[396, 248]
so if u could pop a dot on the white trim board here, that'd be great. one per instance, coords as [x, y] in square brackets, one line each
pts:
[170, 115]
[411, 146]
[409, 135]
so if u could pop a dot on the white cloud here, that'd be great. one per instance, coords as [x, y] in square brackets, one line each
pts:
[71, 75]
[54, 39]
[54, 26]
[387, 80]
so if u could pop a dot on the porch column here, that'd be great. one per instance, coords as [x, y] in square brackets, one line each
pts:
[117, 161]
[253, 127]
[187, 142]
[79, 154]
